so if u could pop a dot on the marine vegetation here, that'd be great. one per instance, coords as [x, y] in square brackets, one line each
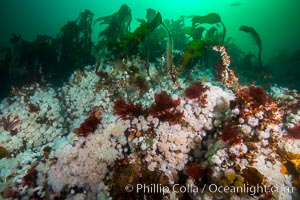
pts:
[74, 45]
[197, 171]
[118, 24]
[89, 125]
[159, 107]
[128, 110]
[196, 91]
[164, 108]
[48, 59]
[201, 43]
[117, 39]
[294, 132]
[212, 18]
[253, 96]
[154, 45]
[9, 124]
[230, 135]
[130, 41]
[195, 50]
[4, 153]
[255, 36]
[207, 19]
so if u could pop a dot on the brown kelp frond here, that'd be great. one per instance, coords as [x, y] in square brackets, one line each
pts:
[128, 110]
[89, 125]
[122, 18]
[131, 41]
[211, 18]
[252, 32]
[9, 124]
[194, 50]
[196, 91]
[4, 153]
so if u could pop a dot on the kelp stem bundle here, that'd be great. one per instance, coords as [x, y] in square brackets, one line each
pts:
[170, 55]
[169, 47]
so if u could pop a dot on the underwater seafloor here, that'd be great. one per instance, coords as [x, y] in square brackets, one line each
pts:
[103, 136]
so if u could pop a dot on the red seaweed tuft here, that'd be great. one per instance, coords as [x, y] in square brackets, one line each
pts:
[33, 108]
[9, 124]
[30, 178]
[172, 117]
[89, 125]
[163, 102]
[141, 84]
[9, 192]
[196, 171]
[255, 96]
[196, 91]
[128, 110]
[164, 108]
[294, 132]
[230, 135]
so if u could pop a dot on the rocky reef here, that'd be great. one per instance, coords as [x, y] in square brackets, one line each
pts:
[141, 126]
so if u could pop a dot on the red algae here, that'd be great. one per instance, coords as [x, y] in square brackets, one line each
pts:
[195, 91]
[30, 178]
[255, 96]
[89, 125]
[230, 135]
[128, 110]
[164, 108]
[163, 102]
[9, 192]
[294, 132]
[194, 170]
[33, 108]
[9, 124]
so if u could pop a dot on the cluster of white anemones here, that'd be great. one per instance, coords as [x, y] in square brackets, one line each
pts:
[173, 144]
[171, 147]
[34, 128]
[84, 161]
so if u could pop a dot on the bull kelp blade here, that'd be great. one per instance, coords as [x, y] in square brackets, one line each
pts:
[132, 40]
[211, 18]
